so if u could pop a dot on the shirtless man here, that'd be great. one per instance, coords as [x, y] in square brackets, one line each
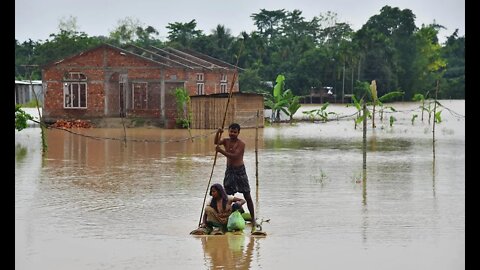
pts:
[236, 179]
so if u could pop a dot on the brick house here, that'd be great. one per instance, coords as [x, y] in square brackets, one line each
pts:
[133, 82]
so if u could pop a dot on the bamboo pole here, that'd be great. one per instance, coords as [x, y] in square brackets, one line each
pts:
[364, 148]
[364, 145]
[434, 112]
[223, 126]
[256, 148]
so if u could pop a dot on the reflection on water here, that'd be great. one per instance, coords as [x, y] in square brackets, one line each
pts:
[94, 203]
[228, 251]
[20, 153]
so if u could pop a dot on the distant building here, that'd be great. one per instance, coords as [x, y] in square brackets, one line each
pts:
[133, 82]
[320, 95]
[25, 91]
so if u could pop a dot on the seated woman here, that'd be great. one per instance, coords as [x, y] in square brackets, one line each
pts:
[218, 208]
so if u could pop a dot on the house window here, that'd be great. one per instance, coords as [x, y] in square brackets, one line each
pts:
[223, 83]
[200, 84]
[223, 88]
[140, 95]
[200, 89]
[75, 90]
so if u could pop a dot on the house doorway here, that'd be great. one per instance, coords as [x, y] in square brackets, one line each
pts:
[122, 83]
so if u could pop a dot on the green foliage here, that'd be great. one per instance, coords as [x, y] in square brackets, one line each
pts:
[418, 97]
[21, 118]
[251, 82]
[32, 104]
[438, 118]
[20, 152]
[453, 81]
[392, 119]
[383, 108]
[278, 88]
[184, 117]
[390, 96]
[358, 105]
[282, 100]
[183, 34]
[421, 98]
[322, 51]
[414, 117]
[321, 113]
[362, 90]
[138, 122]
[293, 103]
[321, 178]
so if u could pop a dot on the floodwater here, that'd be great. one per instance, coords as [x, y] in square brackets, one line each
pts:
[93, 203]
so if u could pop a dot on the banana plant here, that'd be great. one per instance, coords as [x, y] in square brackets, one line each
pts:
[430, 109]
[387, 97]
[358, 106]
[421, 98]
[364, 89]
[382, 110]
[378, 101]
[292, 103]
[392, 119]
[370, 92]
[321, 113]
[282, 100]
[413, 118]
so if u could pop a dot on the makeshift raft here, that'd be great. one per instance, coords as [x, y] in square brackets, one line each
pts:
[246, 231]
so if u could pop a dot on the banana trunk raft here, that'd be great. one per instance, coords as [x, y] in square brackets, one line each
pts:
[248, 229]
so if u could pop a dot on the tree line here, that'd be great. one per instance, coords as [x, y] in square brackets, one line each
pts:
[389, 48]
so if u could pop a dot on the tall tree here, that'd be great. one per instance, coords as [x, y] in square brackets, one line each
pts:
[217, 44]
[387, 43]
[25, 56]
[183, 33]
[125, 31]
[428, 60]
[453, 84]
[267, 22]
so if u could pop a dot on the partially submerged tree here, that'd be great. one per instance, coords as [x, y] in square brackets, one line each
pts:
[21, 118]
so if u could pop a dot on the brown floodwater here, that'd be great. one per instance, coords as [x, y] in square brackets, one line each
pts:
[115, 199]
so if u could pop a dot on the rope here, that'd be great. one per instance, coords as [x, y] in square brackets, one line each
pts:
[125, 139]
[353, 115]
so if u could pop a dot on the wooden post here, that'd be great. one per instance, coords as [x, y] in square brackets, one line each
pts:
[364, 171]
[256, 148]
[364, 136]
[433, 125]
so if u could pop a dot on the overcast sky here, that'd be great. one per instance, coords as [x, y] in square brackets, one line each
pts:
[37, 19]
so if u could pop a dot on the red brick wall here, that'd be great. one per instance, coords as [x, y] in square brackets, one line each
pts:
[211, 81]
[102, 65]
[91, 64]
